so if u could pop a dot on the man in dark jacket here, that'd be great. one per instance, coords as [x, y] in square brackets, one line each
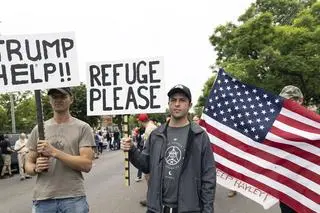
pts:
[6, 151]
[180, 161]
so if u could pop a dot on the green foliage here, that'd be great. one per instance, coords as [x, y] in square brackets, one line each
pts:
[198, 108]
[79, 107]
[25, 109]
[25, 114]
[276, 43]
[4, 124]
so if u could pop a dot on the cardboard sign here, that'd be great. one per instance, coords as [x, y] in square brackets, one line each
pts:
[42, 61]
[126, 87]
[251, 192]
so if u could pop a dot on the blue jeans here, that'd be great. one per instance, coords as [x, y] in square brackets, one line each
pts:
[66, 205]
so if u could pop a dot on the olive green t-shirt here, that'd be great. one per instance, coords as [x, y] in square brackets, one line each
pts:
[61, 181]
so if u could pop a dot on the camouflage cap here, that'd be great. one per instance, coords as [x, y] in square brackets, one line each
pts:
[290, 92]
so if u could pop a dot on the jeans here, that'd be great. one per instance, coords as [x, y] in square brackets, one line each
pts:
[66, 205]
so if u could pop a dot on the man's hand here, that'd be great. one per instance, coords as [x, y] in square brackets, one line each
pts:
[42, 164]
[126, 144]
[46, 149]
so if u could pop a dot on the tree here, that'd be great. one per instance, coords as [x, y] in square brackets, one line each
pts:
[79, 107]
[276, 43]
[25, 114]
[5, 111]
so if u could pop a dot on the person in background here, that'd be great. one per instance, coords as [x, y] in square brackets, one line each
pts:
[196, 119]
[168, 118]
[22, 150]
[293, 93]
[116, 139]
[313, 108]
[179, 158]
[6, 151]
[96, 147]
[140, 144]
[149, 126]
[109, 139]
[59, 160]
[100, 142]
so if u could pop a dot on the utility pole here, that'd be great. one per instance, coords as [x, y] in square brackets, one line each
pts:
[13, 117]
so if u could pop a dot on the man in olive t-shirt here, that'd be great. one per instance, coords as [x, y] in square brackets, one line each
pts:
[59, 160]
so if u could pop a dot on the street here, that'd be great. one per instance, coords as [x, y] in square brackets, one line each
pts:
[107, 193]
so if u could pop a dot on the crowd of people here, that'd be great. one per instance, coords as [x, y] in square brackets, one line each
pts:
[6, 153]
[177, 153]
[105, 139]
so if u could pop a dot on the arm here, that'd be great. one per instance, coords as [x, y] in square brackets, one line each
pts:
[82, 162]
[30, 163]
[139, 159]
[17, 150]
[208, 177]
[17, 146]
[31, 158]
[35, 164]
[9, 147]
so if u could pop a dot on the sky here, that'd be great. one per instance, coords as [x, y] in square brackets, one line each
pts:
[111, 30]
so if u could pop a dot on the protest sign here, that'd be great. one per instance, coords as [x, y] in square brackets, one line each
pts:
[40, 61]
[126, 87]
[259, 196]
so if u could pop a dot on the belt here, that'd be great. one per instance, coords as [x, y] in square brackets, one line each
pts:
[167, 209]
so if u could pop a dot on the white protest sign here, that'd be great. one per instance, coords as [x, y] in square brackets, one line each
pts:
[126, 87]
[251, 192]
[40, 61]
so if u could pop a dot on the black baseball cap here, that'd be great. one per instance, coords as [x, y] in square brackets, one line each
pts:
[180, 88]
[63, 90]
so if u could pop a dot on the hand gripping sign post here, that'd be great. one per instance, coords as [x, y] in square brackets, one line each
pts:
[35, 62]
[126, 87]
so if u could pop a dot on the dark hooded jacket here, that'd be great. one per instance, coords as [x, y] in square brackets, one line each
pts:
[197, 181]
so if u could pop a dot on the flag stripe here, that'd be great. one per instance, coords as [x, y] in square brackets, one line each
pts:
[273, 174]
[294, 150]
[297, 124]
[287, 128]
[274, 155]
[265, 160]
[256, 179]
[297, 112]
[280, 136]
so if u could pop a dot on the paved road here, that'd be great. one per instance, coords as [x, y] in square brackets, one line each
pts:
[107, 193]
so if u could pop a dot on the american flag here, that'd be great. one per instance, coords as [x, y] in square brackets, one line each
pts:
[265, 140]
